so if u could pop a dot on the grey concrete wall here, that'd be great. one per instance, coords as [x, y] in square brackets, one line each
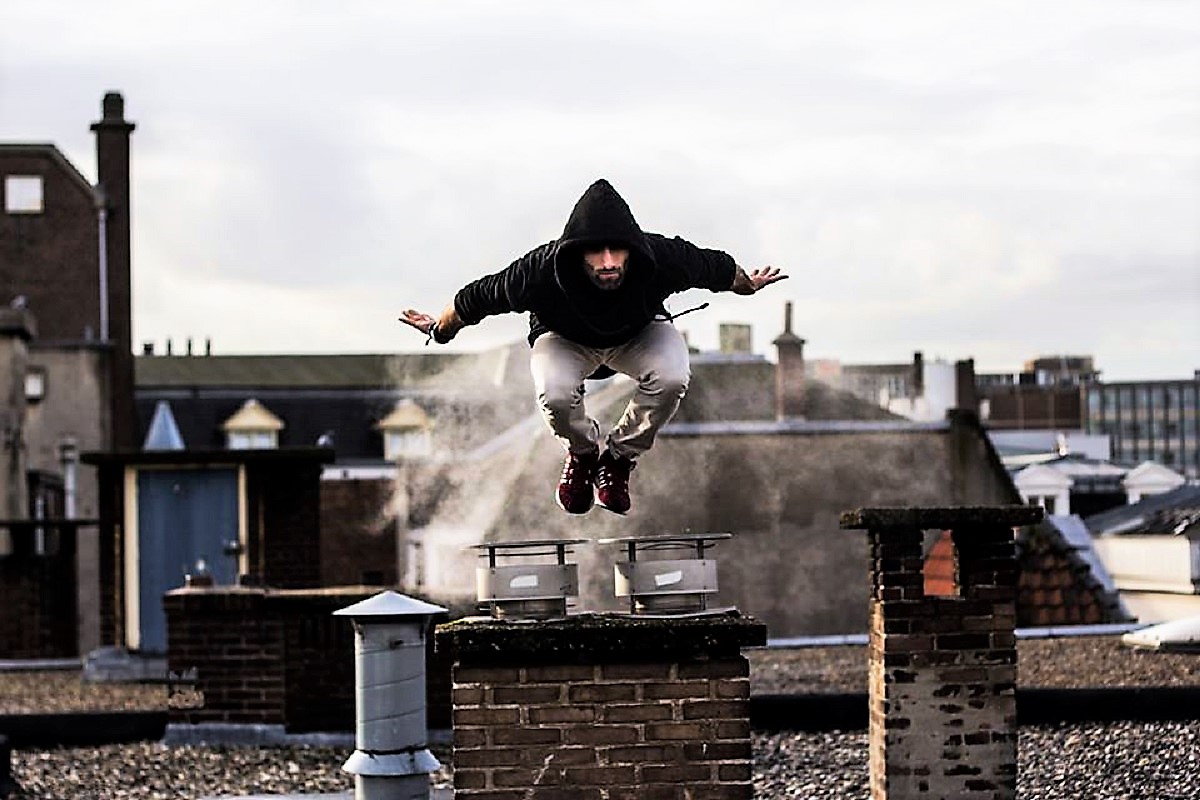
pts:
[16, 328]
[75, 407]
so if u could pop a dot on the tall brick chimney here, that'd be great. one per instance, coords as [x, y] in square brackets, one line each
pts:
[112, 159]
[789, 370]
[966, 396]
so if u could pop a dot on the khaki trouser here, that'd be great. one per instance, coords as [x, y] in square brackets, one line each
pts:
[657, 358]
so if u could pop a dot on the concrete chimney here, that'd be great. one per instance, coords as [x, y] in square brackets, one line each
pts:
[734, 338]
[112, 164]
[789, 370]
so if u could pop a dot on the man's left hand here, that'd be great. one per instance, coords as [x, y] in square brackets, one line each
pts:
[761, 278]
[744, 283]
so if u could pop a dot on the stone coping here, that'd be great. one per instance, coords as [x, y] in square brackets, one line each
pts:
[268, 591]
[941, 517]
[599, 638]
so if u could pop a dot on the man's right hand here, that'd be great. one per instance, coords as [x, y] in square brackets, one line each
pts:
[447, 325]
[420, 321]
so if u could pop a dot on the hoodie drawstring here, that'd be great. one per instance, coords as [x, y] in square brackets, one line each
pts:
[672, 317]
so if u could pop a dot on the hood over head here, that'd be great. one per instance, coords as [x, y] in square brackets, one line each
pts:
[601, 216]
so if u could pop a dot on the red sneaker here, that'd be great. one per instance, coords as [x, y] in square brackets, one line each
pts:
[574, 494]
[612, 482]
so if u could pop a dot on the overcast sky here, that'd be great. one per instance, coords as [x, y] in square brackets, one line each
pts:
[996, 180]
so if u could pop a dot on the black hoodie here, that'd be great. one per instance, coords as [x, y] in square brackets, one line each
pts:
[550, 282]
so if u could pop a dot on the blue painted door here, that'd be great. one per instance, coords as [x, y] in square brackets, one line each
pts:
[184, 516]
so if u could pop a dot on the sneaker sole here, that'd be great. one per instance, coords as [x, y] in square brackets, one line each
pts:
[558, 502]
[611, 509]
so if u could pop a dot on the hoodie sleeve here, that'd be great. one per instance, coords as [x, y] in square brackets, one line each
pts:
[683, 265]
[502, 292]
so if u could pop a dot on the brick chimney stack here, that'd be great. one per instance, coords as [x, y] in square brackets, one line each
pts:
[789, 370]
[112, 161]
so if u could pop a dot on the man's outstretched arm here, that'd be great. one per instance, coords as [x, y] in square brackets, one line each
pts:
[744, 283]
[500, 293]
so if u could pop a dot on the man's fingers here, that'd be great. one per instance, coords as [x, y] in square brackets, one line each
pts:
[422, 322]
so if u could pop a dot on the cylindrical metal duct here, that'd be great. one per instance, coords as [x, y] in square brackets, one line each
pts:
[391, 760]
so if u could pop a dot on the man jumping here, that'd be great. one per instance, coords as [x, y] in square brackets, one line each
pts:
[595, 302]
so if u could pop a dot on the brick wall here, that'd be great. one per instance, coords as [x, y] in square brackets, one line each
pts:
[943, 669]
[236, 648]
[275, 657]
[264, 656]
[358, 538]
[38, 594]
[284, 522]
[52, 257]
[601, 707]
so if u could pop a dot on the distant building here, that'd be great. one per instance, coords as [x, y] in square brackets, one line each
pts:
[377, 414]
[66, 354]
[923, 390]
[1149, 420]
[1045, 395]
[1152, 550]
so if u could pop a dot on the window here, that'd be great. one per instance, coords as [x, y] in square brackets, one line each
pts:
[253, 440]
[406, 444]
[252, 427]
[406, 432]
[1045, 501]
[35, 385]
[23, 194]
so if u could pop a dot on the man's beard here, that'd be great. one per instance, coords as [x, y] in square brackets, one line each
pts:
[610, 284]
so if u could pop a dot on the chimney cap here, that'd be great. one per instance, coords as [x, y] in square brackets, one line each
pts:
[787, 337]
[114, 106]
[389, 604]
[113, 114]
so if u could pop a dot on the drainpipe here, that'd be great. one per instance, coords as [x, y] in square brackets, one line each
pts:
[68, 458]
[102, 216]
[391, 760]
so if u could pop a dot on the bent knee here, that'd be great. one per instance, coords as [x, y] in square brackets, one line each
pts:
[667, 382]
[560, 396]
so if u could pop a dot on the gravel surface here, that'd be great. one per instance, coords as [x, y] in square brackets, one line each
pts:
[1149, 761]
[60, 691]
[151, 771]
[1125, 760]
[1068, 662]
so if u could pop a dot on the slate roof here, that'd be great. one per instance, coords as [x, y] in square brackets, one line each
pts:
[344, 371]
[1161, 514]
[1061, 579]
[470, 396]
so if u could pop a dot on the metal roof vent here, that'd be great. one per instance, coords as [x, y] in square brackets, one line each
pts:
[667, 585]
[1182, 635]
[537, 588]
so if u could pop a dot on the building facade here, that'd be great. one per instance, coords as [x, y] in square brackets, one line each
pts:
[1148, 421]
[65, 291]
